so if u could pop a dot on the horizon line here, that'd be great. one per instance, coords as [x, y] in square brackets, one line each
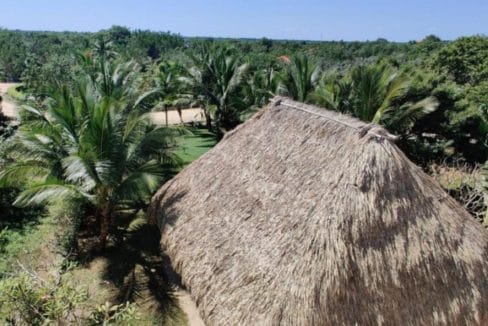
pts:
[232, 37]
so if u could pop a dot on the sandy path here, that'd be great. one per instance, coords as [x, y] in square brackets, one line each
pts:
[189, 115]
[159, 118]
[187, 305]
[8, 108]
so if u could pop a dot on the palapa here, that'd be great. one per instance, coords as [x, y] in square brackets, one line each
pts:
[302, 216]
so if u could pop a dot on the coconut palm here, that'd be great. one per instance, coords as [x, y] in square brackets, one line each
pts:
[168, 87]
[262, 85]
[300, 78]
[104, 48]
[333, 94]
[87, 145]
[118, 80]
[215, 78]
[377, 91]
[374, 94]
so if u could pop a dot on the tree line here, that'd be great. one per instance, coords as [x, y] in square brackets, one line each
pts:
[86, 147]
[85, 133]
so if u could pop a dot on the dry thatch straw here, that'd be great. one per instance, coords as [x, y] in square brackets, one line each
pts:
[307, 217]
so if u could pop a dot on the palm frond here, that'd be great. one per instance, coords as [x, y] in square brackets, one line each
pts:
[46, 192]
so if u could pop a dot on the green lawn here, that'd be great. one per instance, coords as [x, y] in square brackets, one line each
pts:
[25, 245]
[195, 145]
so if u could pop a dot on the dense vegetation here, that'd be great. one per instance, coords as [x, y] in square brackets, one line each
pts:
[85, 141]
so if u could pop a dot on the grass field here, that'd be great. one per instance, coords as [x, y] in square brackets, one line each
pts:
[194, 145]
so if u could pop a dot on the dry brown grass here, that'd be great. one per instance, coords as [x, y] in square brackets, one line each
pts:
[464, 183]
[302, 216]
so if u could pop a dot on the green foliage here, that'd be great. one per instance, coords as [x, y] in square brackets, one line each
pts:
[69, 213]
[464, 60]
[375, 94]
[15, 224]
[122, 314]
[477, 95]
[92, 143]
[192, 146]
[261, 86]
[215, 79]
[28, 299]
[299, 78]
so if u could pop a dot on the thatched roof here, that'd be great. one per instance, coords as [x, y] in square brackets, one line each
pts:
[302, 216]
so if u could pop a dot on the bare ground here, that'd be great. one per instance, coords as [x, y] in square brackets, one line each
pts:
[189, 115]
[159, 118]
[8, 107]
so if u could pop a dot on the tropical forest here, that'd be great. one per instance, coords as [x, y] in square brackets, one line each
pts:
[92, 124]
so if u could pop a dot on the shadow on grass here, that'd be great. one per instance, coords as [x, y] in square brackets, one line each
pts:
[203, 133]
[15, 221]
[16, 218]
[137, 271]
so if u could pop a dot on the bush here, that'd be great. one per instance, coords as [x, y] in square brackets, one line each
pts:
[122, 314]
[27, 299]
[464, 183]
[69, 214]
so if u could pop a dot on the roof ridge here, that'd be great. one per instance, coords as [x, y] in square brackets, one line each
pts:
[368, 128]
[296, 107]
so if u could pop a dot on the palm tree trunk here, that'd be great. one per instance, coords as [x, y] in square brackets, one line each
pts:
[105, 218]
[166, 114]
[218, 122]
[208, 118]
[180, 114]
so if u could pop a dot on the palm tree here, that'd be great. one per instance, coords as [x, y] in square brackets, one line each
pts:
[300, 78]
[262, 85]
[333, 94]
[90, 146]
[104, 48]
[214, 79]
[169, 88]
[375, 94]
[377, 91]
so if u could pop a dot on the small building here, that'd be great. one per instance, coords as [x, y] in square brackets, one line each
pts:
[302, 216]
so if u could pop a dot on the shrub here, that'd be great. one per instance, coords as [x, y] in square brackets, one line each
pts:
[122, 314]
[464, 183]
[27, 299]
[69, 214]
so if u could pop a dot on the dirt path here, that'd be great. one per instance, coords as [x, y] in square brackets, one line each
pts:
[189, 308]
[188, 115]
[159, 118]
[8, 108]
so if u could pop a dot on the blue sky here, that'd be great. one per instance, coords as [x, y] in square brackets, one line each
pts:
[399, 20]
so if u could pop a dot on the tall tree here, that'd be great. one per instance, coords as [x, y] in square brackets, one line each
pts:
[88, 145]
[168, 87]
[300, 78]
[261, 85]
[333, 93]
[215, 79]
[376, 91]
[465, 60]
[375, 94]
